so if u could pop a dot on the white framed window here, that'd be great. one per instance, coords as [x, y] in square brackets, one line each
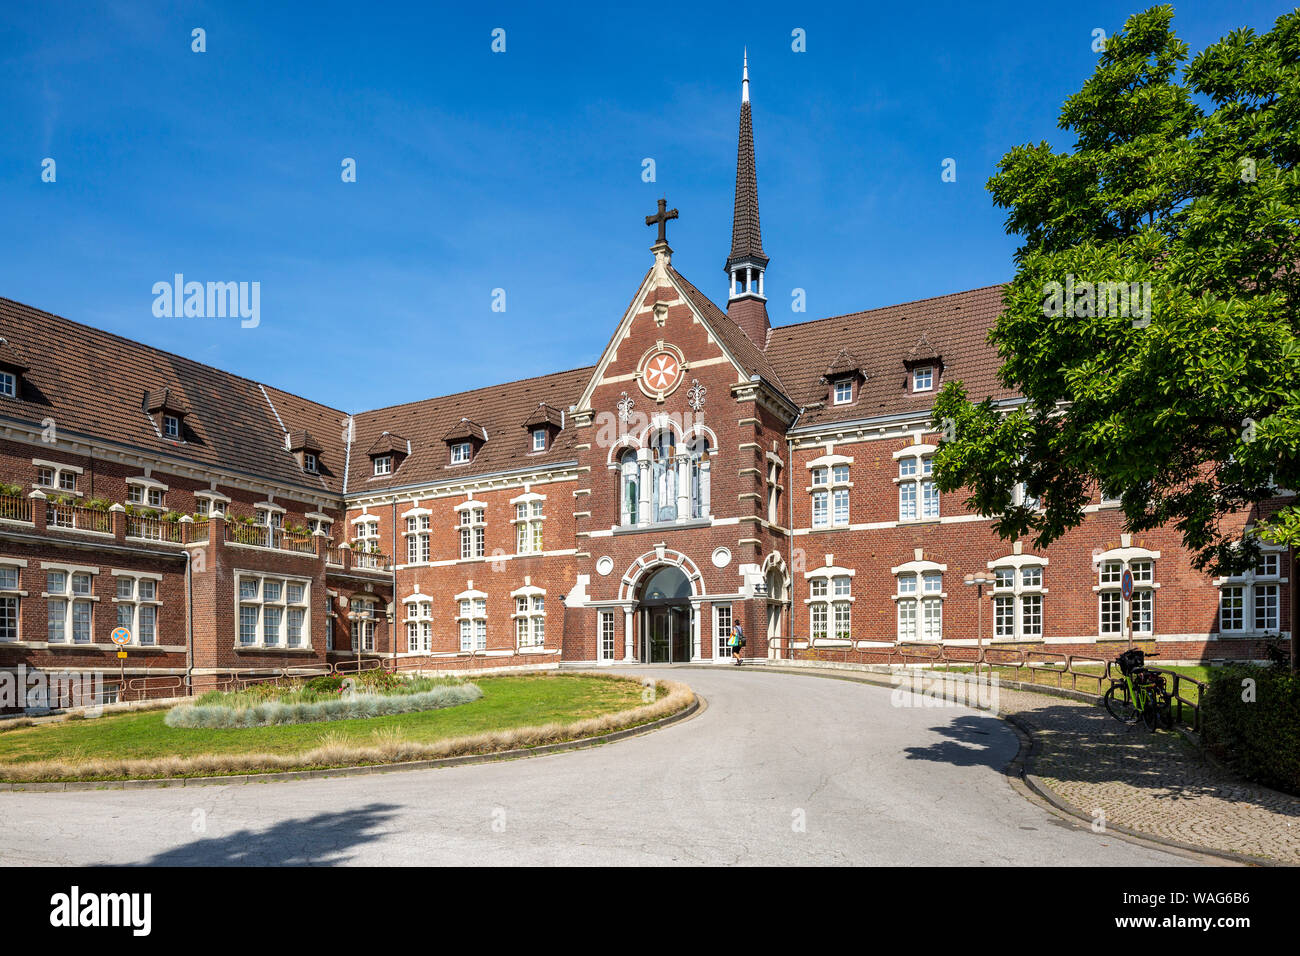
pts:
[473, 533]
[1110, 601]
[309, 462]
[419, 627]
[363, 623]
[1250, 602]
[919, 597]
[419, 539]
[8, 385]
[844, 391]
[830, 494]
[530, 620]
[365, 536]
[918, 495]
[11, 596]
[830, 604]
[528, 526]
[473, 621]
[460, 452]
[539, 439]
[1018, 597]
[149, 495]
[383, 464]
[272, 610]
[608, 636]
[70, 605]
[171, 426]
[721, 631]
[50, 475]
[923, 378]
[137, 606]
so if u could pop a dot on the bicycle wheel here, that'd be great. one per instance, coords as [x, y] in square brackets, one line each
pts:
[1118, 704]
[1150, 709]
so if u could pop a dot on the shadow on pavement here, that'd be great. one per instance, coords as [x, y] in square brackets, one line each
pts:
[318, 840]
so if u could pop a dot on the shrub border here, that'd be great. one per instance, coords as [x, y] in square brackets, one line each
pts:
[692, 708]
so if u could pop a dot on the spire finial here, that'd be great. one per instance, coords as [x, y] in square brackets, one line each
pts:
[744, 80]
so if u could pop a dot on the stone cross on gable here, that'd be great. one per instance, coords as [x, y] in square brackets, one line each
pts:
[662, 217]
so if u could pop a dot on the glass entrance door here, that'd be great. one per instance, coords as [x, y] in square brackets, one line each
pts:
[667, 635]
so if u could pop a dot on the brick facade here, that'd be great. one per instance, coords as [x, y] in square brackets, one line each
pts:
[700, 441]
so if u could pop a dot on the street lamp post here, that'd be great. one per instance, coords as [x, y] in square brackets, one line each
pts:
[979, 579]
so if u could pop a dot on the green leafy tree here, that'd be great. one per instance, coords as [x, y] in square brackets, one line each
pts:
[1178, 390]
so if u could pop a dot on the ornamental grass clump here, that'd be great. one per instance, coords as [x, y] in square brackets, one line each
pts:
[352, 707]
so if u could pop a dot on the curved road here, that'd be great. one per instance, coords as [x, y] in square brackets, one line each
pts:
[780, 769]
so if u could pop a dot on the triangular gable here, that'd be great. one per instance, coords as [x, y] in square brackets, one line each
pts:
[669, 287]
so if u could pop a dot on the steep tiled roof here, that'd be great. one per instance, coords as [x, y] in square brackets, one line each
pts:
[884, 340]
[746, 236]
[495, 410]
[92, 383]
[749, 355]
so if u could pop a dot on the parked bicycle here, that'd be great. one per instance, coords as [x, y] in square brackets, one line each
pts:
[1139, 694]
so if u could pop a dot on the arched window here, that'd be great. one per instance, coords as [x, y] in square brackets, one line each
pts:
[629, 488]
[668, 583]
[664, 476]
[700, 453]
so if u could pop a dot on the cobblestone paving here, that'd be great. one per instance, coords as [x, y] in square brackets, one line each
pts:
[1156, 784]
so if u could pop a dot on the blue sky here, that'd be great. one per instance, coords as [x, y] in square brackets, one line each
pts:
[518, 170]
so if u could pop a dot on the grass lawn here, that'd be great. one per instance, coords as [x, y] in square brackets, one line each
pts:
[508, 702]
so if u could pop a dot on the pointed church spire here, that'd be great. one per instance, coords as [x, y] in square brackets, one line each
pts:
[747, 263]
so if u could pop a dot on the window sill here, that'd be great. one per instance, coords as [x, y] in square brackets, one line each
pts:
[664, 525]
[272, 649]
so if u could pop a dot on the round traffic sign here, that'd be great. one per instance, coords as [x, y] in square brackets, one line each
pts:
[120, 635]
[1126, 584]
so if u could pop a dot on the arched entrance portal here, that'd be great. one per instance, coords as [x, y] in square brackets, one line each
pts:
[664, 610]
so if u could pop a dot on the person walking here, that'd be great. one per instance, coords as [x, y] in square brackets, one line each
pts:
[737, 642]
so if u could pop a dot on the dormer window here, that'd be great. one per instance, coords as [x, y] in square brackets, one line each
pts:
[923, 378]
[539, 439]
[167, 412]
[460, 452]
[386, 453]
[12, 368]
[844, 391]
[306, 449]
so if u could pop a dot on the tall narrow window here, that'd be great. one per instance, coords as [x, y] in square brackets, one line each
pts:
[10, 602]
[918, 495]
[607, 636]
[629, 479]
[528, 526]
[472, 533]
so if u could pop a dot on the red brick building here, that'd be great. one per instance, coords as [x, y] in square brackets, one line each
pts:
[708, 470]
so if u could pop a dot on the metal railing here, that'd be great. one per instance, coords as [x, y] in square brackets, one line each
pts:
[15, 509]
[371, 561]
[153, 529]
[1026, 665]
[76, 518]
[262, 536]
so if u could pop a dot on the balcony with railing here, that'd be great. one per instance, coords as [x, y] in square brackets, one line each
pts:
[263, 536]
[153, 529]
[371, 561]
[15, 508]
[68, 517]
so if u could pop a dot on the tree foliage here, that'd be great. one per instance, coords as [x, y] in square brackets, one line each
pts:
[1183, 180]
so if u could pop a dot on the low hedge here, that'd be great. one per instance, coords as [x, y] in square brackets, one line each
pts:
[358, 707]
[1259, 738]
